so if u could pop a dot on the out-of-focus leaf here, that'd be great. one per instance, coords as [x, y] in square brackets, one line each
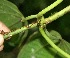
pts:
[53, 35]
[36, 48]
[17, 2]
[65, 46]
[9, 14]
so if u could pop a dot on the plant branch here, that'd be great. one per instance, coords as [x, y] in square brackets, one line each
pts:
[52, 44]
[47, 20]
[44, 10]
[49, 7]
[29, 17]
[19, 30]
[57, 15]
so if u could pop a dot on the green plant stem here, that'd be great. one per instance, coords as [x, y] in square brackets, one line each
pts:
[49, 19]
[19, 30]
[22, 35]
[52, 44]
[57, 15]
[44, 10]
[49, 7]
[29, 17]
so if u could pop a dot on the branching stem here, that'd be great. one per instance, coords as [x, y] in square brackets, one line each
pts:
[49, 19]
[52, 44]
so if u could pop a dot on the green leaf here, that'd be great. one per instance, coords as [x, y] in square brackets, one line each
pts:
[36, 48]
[9, 14]
[53, 35]
[64, 45]
[18, 1]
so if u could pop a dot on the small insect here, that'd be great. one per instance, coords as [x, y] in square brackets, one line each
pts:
[28, 26]
[48, 21]
[39, 23]
[2, 32]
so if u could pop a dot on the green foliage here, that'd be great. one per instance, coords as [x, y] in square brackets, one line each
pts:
[65, 46]
[32, 45]
[9, 14]
[36, 47]
[18, 1]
